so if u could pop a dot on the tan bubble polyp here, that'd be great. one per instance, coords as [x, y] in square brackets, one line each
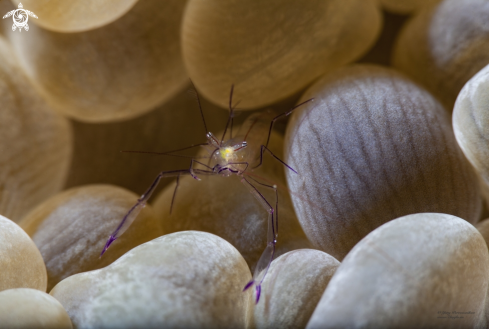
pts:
[292, 288]
[271, 49]
[35, 143]
[422, 264]
[471, 123]
[30, 308]
[20, 260]
[112, 73]
[71, 228]
[443, 46]
[183, 280]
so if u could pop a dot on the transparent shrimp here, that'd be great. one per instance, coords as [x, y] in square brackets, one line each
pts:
[234, 156]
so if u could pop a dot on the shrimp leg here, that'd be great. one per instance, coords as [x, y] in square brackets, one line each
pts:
[266, 258]
[272, 187]
[141, 203]
[263, 148]
[191, 169]
[239, 163]
[284, 115]
[174, 194]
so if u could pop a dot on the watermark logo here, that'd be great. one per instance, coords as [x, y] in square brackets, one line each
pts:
[20, 17]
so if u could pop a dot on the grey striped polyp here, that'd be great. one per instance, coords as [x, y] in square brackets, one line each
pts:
[373, 146]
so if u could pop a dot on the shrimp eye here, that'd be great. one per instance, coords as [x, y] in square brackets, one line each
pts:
[238, 147]
[212, 139]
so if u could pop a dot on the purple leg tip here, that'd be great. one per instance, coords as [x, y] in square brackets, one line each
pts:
[107, 245]
[258, 293]
[248, 285]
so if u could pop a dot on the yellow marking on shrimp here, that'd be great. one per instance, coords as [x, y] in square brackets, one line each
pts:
[228, 152]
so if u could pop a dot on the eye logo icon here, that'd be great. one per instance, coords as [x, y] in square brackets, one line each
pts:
[20, 17]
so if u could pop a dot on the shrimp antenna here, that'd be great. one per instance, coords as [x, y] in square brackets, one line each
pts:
[166, 154]
[231, 129]
[230, 118]
[200, 106]
[284, 115]
[169, 153]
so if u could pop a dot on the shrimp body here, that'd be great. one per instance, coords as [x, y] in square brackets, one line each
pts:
[230, 157]
[234, 156]
[237, 154]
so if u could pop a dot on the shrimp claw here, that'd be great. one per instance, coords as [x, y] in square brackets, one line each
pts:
[257, 290]
[261, 270]
[107, 244]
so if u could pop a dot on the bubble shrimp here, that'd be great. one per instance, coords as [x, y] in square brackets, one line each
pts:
[235, 156]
